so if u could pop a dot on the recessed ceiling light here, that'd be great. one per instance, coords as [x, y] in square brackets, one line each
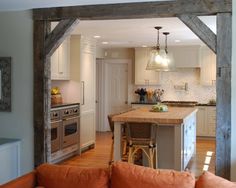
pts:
[96, 36]
[104, 42]
[177, 41]
[144, 46]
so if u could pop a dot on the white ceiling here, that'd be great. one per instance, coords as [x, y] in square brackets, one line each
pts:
[6, 5]
[139, 32]
[119, 33]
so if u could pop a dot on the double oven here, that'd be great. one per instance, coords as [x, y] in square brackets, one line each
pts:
[65, 130]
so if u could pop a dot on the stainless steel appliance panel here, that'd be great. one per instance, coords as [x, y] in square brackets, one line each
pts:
[70, 132]
[55, 135]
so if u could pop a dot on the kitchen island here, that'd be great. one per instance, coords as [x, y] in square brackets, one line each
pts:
[176, 134]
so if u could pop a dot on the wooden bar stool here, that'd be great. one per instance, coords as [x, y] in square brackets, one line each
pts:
[124, 139]
[142, 136]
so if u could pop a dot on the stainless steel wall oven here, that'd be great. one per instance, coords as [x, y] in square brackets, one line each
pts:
[65, 129]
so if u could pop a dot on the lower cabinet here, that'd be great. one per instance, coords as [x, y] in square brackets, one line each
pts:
[206, 121]
[88, 132]
[189, 137]
[10, 159]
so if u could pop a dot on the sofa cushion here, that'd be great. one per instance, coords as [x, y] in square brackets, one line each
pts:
[62, 176]
[133, 176]
[209, 180]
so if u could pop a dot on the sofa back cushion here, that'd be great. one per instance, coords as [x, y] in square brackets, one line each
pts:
[209, 180]
[133, 176]
[62, 176]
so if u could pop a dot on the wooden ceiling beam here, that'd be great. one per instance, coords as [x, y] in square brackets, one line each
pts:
[200, 29]
[135, 10]
[59, 33]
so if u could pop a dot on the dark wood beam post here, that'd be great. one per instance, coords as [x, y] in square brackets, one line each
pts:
[200, 29]
[45, 43]
[41, 92]
[223, 90]
[135, 10]
[59, 33]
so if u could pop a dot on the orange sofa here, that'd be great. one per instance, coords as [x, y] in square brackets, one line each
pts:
[121, 175]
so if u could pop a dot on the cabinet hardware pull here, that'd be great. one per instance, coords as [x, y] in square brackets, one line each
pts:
[82, 85]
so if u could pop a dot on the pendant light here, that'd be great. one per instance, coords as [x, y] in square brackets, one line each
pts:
[160, 60]
[167, 58]
[155, 59]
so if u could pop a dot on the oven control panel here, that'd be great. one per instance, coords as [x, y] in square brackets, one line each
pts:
[73, 111]
[55, 115]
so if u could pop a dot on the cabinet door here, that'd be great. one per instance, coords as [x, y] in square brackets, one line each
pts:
[54, 65]
[143, 76]
[211, 121]
[64, 60]
[189, 138]
[185, 56]
[208, 66]
[87, 72]
[201, 122]
[60, 62]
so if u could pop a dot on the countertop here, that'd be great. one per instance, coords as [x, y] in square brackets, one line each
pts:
[63, 105]
[205, 104]
[180, 103]
[174, 116]
[7, 140]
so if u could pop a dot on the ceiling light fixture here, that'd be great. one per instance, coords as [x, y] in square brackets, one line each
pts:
[96, 36]
[160, 60]
[104, 42]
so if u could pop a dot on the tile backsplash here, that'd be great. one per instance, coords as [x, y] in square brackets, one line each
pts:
[183, 85]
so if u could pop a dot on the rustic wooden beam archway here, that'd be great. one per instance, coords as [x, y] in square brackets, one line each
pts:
[187, 11]
[45, 43]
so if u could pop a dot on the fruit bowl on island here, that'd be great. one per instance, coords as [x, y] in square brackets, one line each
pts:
[159, 108]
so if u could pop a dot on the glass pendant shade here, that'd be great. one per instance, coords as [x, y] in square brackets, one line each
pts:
[160, 60]
[168, 62]
[155, 61]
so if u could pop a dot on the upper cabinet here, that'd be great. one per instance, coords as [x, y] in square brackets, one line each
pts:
[208, 66]
[60, 61]
[185, 56]
[143, 76]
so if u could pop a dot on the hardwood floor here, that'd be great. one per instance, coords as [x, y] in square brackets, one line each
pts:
[204, 157]
[100, 155]
[97, 157]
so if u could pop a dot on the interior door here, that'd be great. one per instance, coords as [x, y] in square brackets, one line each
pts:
[116, 88]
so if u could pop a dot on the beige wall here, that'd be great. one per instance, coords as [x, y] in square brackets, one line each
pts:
[16, 41]
[233, 138]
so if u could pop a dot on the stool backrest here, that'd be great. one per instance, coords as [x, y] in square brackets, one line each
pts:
[111, 123]
[141, 132]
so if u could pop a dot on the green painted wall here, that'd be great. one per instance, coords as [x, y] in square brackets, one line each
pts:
[16, 41]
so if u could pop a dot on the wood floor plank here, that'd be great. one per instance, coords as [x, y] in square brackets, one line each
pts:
[100, 155]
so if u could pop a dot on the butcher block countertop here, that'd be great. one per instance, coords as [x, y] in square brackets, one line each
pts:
[174, 116]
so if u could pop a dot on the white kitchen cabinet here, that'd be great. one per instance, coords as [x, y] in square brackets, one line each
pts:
[208, 66]
[189, 138]
[211, 120]
[206, 121]
[10, 159]
[185, 56]
[60, 62]
[143, 76]
[83, 55]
